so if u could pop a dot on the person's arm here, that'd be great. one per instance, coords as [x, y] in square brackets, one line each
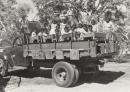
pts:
[83, 31]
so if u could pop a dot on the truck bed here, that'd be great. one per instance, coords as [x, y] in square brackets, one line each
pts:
[73, 50]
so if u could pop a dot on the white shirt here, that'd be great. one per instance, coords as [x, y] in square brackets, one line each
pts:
[96, 3]
[40, 34]
[69, 13]
[33, 34]
[107, 26]
[95, 28]
[53, 28]
[62, 28]
[70, 31]
[122, 8]
[80, 30]
[44, 34]
[84, 17]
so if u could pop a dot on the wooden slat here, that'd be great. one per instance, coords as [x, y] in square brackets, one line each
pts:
[25, 53]
[48, 46]
[96, 35]
[93, 51]
[100, 35]
[102, 46]
[49, 54]
[63, 45]
[107, 46]
[74, 55]
[66, 53]
[80, 45]
[38, 55]
[84, 53]
[59, 55]
[34, 46]
[112, 46]
[92, 44]
[25, 47]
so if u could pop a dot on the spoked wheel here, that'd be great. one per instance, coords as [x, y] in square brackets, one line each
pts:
[3, 68]
[63, 74]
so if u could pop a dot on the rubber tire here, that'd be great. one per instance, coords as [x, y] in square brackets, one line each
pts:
[76, 75]
[70, 74]
[4, 70]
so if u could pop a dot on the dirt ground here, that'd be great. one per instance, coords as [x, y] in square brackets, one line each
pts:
[113, 77]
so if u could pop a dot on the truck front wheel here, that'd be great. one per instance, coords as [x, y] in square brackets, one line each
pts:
[3, 68]
[63, 74]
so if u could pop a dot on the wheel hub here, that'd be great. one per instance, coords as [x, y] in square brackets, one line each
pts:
[62, 76]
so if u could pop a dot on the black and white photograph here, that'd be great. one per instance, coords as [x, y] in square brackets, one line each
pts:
[64, 45]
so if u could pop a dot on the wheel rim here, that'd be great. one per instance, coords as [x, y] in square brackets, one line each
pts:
[61, 75]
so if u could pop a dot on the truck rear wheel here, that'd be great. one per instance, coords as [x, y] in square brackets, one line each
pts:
[76, 75]
[63, 74]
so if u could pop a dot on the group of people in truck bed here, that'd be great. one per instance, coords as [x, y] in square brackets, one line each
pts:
[61, 28]
[61, 33]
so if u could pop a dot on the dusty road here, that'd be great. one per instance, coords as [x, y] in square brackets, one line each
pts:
[112, 78]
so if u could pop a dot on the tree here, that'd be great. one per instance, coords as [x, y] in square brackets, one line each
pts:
[8, 18]
[47, 9]
[94, 9]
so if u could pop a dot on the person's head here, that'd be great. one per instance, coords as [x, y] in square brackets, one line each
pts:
[65, 11]
[85, 26]
[57, 28]
[90, 28]
[67, 29]
[33, 34]
[54, 22]
[80, 25]
[107, 20]
[108, 14]
[40, 34]
[65, 20]
[93, 22]
[74, 26]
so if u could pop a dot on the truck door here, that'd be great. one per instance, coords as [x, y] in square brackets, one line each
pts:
[17, 52]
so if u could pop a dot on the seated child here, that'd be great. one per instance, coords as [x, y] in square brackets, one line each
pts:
[34, 37]
[66, 33]
[52, 32]
[53, 28]
[80, 30]
[44, 36]
[40, 36]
